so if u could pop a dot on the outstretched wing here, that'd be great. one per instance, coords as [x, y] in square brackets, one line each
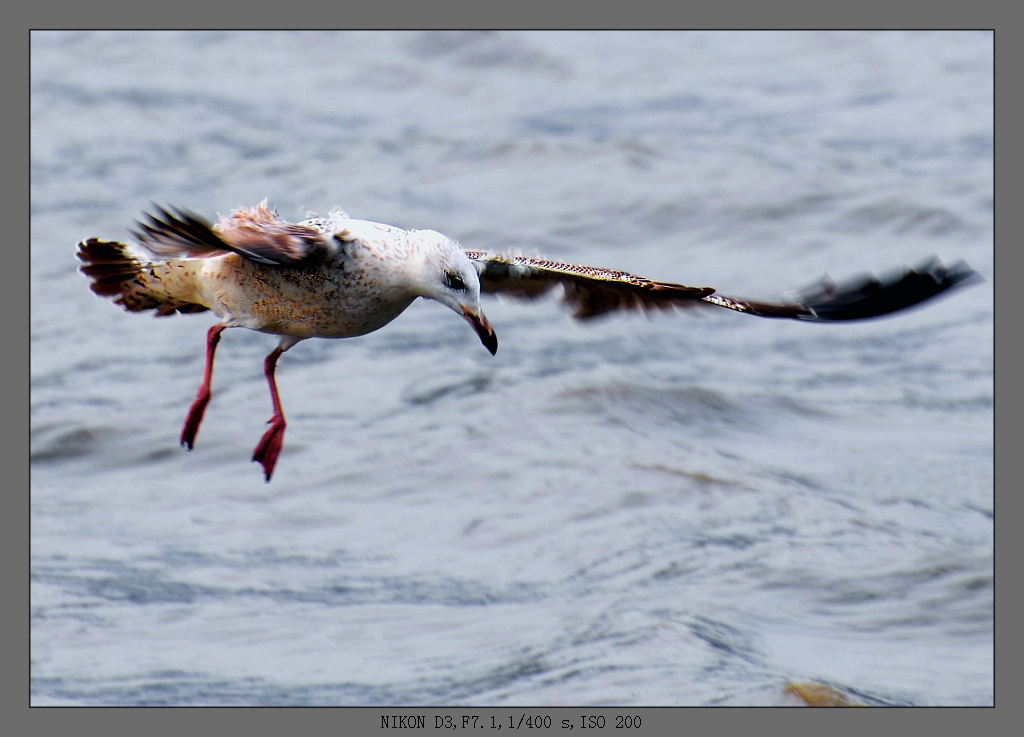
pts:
[591, 291]
[256, 233]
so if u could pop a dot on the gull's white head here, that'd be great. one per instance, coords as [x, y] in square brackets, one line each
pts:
[446, 275]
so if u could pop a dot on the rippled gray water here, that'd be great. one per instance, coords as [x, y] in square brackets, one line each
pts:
[687, 509]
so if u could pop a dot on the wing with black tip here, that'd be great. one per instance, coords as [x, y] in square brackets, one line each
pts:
[255, 233]
[591, 291]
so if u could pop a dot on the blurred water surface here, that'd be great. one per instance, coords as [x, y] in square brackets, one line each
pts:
[687, 509]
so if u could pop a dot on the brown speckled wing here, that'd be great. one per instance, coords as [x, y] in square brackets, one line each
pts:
[591, 291]
[588, 291]
[256, 233]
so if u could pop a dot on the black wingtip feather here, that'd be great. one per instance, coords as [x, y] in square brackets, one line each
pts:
[868, 296]
[169, 233]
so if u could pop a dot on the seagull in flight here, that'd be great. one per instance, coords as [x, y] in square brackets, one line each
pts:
[339, 277]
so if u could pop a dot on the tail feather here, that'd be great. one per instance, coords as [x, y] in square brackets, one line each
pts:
[135, 284]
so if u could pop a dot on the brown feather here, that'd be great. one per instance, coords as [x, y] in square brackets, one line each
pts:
[255, 233]
[258, 232]
[589, 291]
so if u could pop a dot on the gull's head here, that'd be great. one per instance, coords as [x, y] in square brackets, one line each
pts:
[447, 276]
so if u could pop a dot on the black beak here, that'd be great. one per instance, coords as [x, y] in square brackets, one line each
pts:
[483, 329]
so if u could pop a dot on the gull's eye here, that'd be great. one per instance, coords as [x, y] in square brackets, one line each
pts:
[454, 281]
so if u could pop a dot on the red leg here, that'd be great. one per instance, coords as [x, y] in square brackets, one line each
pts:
[269, 446]
[195, 412]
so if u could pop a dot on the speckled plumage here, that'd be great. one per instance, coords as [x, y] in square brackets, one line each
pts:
[329, 277]
[333, 277]
[339, 277]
